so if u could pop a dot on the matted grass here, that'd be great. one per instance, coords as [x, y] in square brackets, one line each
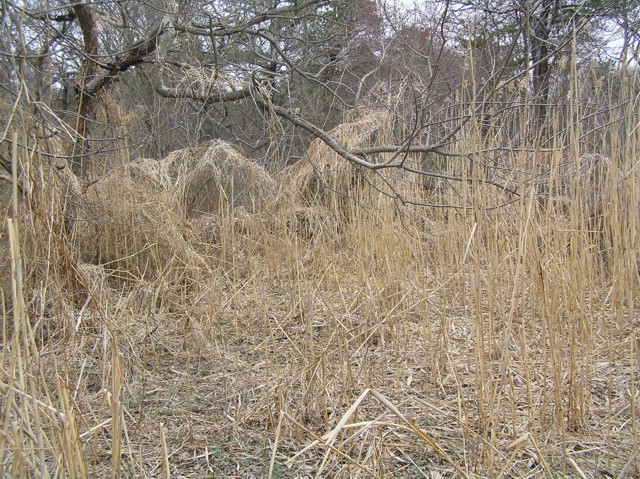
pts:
[389, 343]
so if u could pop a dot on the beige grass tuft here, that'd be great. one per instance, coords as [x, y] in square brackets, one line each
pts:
[216, 176]
[324, 178]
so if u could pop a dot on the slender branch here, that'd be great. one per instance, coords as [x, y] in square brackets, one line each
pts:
[221, 29]
[357, 156]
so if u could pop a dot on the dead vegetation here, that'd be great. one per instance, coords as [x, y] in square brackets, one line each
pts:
[322, 179]
[199, 321]
[217, 176]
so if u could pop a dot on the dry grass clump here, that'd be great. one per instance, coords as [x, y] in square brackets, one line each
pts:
[140, 219]
[322, 178]
[325, 193]
[132, 223]
[217, 176]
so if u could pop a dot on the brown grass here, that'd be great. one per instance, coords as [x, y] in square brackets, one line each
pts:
[167, 336]
[323, 179]
[218, 175]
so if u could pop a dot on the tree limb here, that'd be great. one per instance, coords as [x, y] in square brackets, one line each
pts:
[165, 39]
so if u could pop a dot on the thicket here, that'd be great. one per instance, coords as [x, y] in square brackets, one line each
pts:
[390, 268]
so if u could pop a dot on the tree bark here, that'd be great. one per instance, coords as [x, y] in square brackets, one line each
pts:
[86, 99]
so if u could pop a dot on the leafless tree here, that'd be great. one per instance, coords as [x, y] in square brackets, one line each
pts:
[269, 75]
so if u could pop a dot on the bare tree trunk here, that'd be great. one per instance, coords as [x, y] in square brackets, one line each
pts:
[540, 48]
[86, 100]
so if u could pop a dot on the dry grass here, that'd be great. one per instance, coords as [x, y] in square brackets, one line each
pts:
[323, 180]
[167, 336]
